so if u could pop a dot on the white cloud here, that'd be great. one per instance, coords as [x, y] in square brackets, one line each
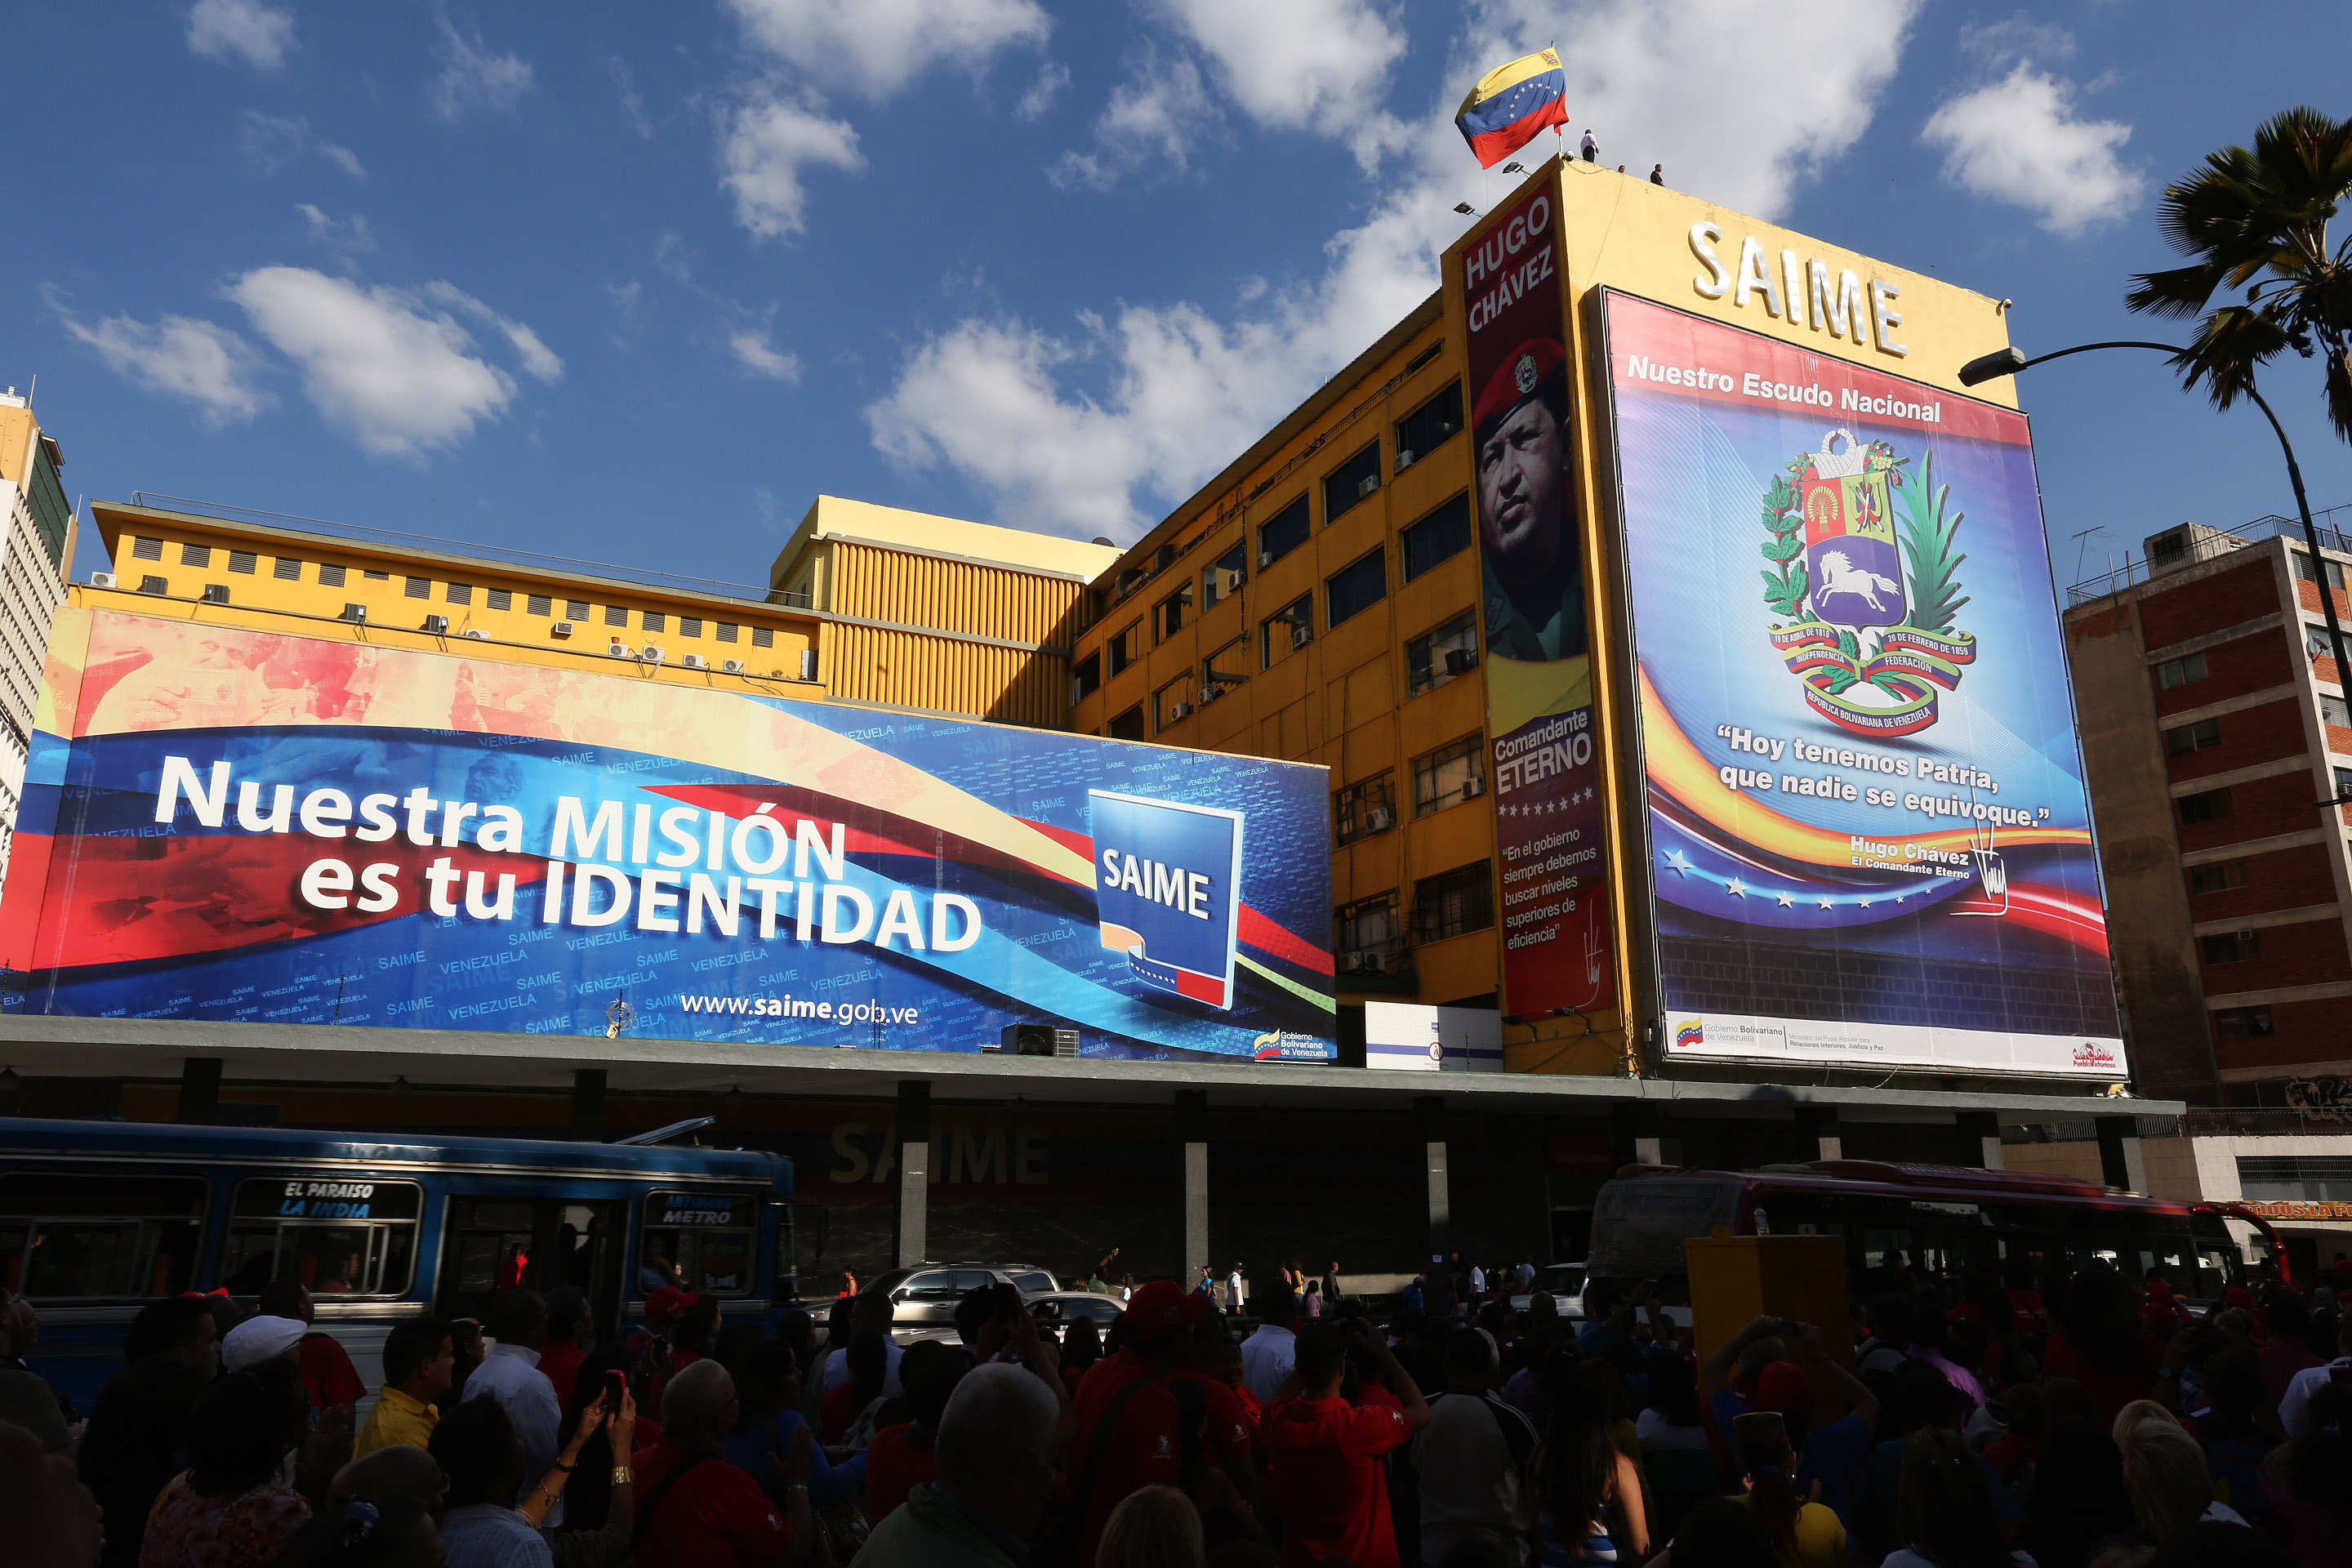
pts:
[472, 76]
[1051, 79]
[633, 104]
[401, 375]
[759, 356]
[875, 48]
[1157, 113]
[347, 237]
[2019, 139]
[1302, 65]
[273, 142]
[1094, 431]
[2016, 37]
[253, 31]
[765, 142]
[209, 366]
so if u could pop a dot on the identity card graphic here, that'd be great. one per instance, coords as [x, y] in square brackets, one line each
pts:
[1164, 881]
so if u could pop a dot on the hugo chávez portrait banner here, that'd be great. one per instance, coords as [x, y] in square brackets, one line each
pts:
[226, 823]
[1559, 954]
[1869, 835]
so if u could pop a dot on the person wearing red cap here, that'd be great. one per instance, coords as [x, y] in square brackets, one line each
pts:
[1228, 1432]
[1835, 1454]
[1128, 1424]
[1534, 587]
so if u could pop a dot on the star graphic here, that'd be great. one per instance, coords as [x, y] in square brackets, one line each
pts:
[1787, 903]
[1679, 864]
[1738, 888]
[1865, 904]
[1826, 904]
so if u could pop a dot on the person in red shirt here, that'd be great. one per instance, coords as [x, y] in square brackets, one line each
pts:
[1128, 1425]
[899, 1458]
[1228, 1431]
[694, 1510]
[560, 1357]
[1330, 1483]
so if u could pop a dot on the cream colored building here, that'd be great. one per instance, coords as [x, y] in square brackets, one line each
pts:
[37, 554]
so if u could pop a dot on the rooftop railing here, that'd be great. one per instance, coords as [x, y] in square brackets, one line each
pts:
[2212, 546]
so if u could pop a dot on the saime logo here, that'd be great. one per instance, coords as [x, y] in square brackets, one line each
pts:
[1690, 1032]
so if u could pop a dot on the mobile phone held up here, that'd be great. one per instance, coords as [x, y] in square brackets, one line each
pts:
[616, 1387]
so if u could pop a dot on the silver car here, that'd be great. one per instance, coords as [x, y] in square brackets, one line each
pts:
[926, 1295]
[1563, 1282]
[1062, 1307]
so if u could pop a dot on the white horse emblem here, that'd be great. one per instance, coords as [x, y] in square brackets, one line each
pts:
[1841, 576]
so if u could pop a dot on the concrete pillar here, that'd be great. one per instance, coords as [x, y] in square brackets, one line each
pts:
[1980, 1139]
[1641, 1136]
[1429, 1118]
[2119, 1157]
[1192, 1128]
[200, 1078]
[1817, 1128]
[588, 1105]
[913, 1134]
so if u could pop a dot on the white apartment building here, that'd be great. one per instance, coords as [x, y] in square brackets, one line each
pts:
[37, 552]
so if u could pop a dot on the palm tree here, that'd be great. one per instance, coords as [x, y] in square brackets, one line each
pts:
[2256, 220]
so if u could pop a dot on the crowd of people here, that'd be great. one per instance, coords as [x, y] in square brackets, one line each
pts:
[2090, 1421]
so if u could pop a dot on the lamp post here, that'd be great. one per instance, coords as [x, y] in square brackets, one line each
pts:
[2009, 361]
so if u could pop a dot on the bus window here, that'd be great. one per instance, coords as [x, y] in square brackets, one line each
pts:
[337, 1236]
[706, 1242]
[92, 1236]
[492, 1238]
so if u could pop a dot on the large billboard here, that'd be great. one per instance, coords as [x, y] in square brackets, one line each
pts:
[1869, 840]
[226, 824]
[1559, 954]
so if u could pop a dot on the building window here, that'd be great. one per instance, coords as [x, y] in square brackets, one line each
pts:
[723, 630]
[763, 637]
[1441, 535]
[540, 605]
[1453, 903]
[1365, 807]
[460, 593]
[154, 585]
[690, 625]
[1223, 577]
[2242, 1023]
[1085, 678]
[2315, 644]
[2231, 947]
[146, 549]
[375, 576]
[1173, 701]
[1356, 587]
[1450, 774]
[655, 621]
[2333, 712]
[500, 598]
[1284, 532]
[616, 616]
[1367, 933]
[2212, 805]
[330, 577]
[1170, 614]
[285, 569]
[575, 609]
[1351, 482]
[420, 587]
[2186, 738]
[2302, 570]
[1129, 726]
[1418, 433]
[1437, 657]
[1223, 668]
[2217, 876]
[1288, 628]
[2344, 785]
[1124, 645]
[195, 555]
[2179, 671]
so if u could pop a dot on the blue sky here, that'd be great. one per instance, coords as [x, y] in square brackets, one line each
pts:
[634, 283]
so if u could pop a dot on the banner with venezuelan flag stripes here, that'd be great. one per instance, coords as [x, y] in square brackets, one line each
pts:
[230, 824]
[1511, 103]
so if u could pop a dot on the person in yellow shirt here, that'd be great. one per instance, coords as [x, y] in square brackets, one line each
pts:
[417, 1363]
[1805, 1534]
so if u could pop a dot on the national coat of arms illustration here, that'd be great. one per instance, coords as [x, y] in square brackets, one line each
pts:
[1843, 569]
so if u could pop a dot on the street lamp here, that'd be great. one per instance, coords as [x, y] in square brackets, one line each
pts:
[2009, 361]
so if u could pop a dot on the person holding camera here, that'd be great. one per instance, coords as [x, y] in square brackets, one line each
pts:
[1328, 1456]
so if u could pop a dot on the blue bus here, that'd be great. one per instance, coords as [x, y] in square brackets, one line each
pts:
[99, 1217]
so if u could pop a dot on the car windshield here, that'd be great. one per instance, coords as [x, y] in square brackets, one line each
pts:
[1562, 1277]
[890, 1281]
[1031, 1282]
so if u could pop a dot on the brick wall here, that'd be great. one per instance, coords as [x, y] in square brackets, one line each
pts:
[2309, 952]
[2304, 1032]
[2261, 808]
[2249, 736]
[2254, 663]
[2281, 880]
[2210, 605]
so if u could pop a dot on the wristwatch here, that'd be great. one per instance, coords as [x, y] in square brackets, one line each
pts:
[621, 1476]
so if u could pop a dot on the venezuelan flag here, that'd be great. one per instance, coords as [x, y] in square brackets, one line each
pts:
[1510, 104]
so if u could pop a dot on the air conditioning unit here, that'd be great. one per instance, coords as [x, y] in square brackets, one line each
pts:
[478, 634]
[1367, 485]
[101, 579]
[1210, 694]
[1404, 459]
[1301, 635]
[1473, 787]
[438, 625]
[215, 593]
[1461, 660]
[560, 630]
[621, 650]
[808, 664]
[2246, 934]
[731, 666]
[355, 613]
[695, 661]
[1179, 710]
[1038, 1040]
[651, 655]
[1265, 559]
[1366, 962]
[1380, 820]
